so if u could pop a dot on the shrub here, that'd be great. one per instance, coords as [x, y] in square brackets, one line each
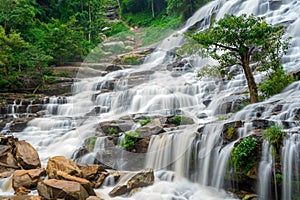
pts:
[275, 135]
[129, 140]
[275, 83]
[243, 155]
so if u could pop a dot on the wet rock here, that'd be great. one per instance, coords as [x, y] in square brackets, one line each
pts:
[26, 179]
[260, 124]
[60, 163]
[88, 186]
[140, 179]
[202, 116]
[179, 120]
[100, 179]
[296, 114]
[152, 128]
[60, 189]
[230, 131]
[26, 155]
[115, 126]
[141, 146]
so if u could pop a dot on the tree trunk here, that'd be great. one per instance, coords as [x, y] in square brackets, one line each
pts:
[250, 80]
[90, 20]
[152, 6]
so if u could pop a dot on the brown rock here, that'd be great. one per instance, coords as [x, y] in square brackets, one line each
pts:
[60, 163]
[118, 190]
[89, 172]
[100, 179]
[141, 179]
[94, 198]
[26, 155]
[26, 179]
[88, 186]
[55, 189]
[21, 197]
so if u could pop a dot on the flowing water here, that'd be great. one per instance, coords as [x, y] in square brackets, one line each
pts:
[153, 90]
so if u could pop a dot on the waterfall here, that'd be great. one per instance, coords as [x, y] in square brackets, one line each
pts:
[290, 167]
[265, 172]
[189, 164]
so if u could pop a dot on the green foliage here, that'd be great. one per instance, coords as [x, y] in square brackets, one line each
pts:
[129, 139]
[112, 131]
[243, 155]
[244, 40]
[275, 83]
[29, 96]
[245, 102]
[275, 135]
[146, 121]
[115, 28]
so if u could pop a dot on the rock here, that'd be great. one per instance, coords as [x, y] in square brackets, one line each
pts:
[202, 116]
[21, 197]
[260, 124]
[115, 126]
[296, 114]
[88, 186]
[100, 179]
[250, 197]
[152, 128]
[26, 179]
[118, 190]
[95, 198]
[141, 146]
[60, 189]
[90, 172]
[60, 163]
[140, 179]
[230, 131]
[26, 155]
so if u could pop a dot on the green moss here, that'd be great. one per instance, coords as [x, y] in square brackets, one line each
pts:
[146, 121]
[28, 96]
[91, 144]
[131, 60]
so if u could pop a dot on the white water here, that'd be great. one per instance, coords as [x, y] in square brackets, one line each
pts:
[73, 119]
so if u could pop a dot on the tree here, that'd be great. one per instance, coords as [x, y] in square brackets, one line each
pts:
[244, 40]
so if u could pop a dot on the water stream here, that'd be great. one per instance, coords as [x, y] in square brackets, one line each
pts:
[151, 89]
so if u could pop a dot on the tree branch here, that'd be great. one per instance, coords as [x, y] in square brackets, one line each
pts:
[226, 47]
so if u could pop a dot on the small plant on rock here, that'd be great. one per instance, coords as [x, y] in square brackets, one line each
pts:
[243, 155]
[129, 139]
[112, 131]
[275, 135]
[146, 121]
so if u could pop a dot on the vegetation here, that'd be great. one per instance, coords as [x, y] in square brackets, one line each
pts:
[276, 81]
[244, 40]
[243, 155]
[275, 135]
[146, 121]
[129, 139]
[112, 131]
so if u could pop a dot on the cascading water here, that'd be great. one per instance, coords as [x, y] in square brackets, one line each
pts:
[152, 89]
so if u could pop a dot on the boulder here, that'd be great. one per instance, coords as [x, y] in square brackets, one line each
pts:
[26, 155]
[100, 179]
[88, 186]
[230, 131]
[26, 179]
[60, 189]
[90, 172]
[60, 163]
[152, 128]
[140, 179]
